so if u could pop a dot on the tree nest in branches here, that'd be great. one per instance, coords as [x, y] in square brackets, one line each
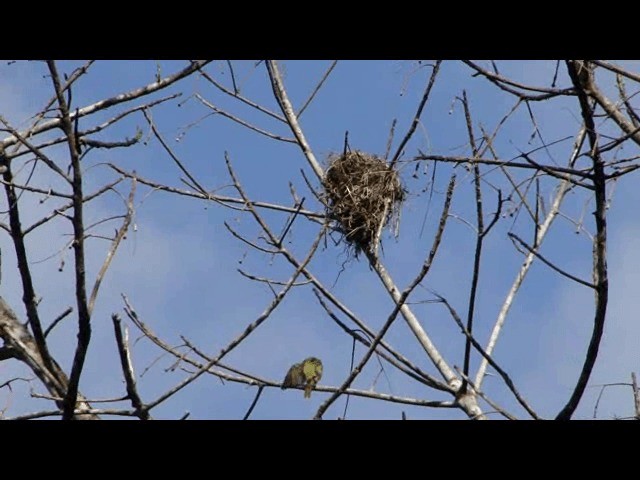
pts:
[363, 194]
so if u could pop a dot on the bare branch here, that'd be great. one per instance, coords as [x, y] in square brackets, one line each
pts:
[122, 231]
[283, 100]
[636, 395]
[416, 118]
[28, 188]
[110, 102]
[242, 122]
[57, 320]
[317, 89]
[170, 152]
[223, 200]
[127, 368]
[392, 131]
[250, 328]
[10, 381]
[248, 242]
[400, 303]
[59, 211]
[616, 69]
[28, 291]
[83, 134]
[246, 101]
[505, 84]
[582, 78]
[253, 404]
[23, 346]
[289, 223]
[532, 165]
[270, 281]
[396, 359]
[37, 152]
[486, 356]
[482, 395]
[542, 231]
[479, 240]
[548, 263]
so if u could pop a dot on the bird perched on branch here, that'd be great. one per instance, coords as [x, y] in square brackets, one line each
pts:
[312, 371]
[306, 374]
[294, 377]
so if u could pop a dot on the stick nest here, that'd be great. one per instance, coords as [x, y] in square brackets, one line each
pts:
[363, 195]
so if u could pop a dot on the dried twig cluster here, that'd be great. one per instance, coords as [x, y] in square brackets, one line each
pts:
[363, 195]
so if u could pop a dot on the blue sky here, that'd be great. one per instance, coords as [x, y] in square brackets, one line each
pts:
[179, 266]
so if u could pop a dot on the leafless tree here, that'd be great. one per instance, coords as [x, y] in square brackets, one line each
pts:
[45, 169]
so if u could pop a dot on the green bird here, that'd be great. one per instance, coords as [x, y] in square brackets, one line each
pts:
[294, 377]
[312, 372]
[305, 374]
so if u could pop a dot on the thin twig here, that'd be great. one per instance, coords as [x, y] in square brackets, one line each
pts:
[602, 389]
[353, 357]
[98, 128]
[59, 211]
[548, 263]
[395, 359]
[253, 404]
[244, 100]
[635, 118]
[317, 89]
[516, 187]
[57, 320]
[38, 153]
[170, 152]
[223, 200]
[236, 90]
[49, 193]
[616, 69]
[290, 223]
[242, 122]
[416, 118]
[248, 242]
[551, 172]
[486, 356]
[532, 165]
[269, 280]
[122, 231]
[479, 240]
[110, 102]
[93, 400]
[505, 84]
[75, 75]
[392, 131]
[77, 412]
[16, 379]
